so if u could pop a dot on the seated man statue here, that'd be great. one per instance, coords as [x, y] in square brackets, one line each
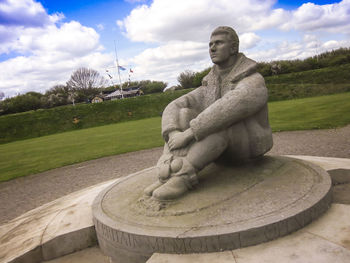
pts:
[226, 118]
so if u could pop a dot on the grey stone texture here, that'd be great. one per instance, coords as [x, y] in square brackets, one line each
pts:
[224, 119]
[88, 255]
[55, 229]
[341, 185]
[73, 213]
[232, 207]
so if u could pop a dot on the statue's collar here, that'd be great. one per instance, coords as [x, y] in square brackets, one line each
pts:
[242, 68]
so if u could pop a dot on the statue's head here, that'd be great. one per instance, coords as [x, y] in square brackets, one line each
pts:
[223, 45]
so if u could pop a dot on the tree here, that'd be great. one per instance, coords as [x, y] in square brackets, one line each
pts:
[152, 86]
[198, 77]
[84, 84]
[264, 69]
[58, 95]
[2, 95]
[29, 101]
[186, 79]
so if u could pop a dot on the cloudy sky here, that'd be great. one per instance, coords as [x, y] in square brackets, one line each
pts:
[43, 41]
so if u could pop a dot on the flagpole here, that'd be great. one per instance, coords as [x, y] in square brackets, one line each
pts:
[116, 58]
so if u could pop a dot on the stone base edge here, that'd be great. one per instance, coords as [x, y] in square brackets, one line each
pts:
[60, 246]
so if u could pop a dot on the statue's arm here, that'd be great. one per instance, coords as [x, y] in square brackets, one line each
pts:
[247, 98]
[170, 117]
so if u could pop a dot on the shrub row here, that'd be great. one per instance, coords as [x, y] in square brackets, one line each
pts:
[65, 118]
[309, 83]
[335, 75]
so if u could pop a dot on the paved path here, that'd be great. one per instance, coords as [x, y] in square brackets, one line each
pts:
[23, 194]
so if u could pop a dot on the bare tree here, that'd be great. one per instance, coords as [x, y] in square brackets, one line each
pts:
[2, 95]
[85, 83]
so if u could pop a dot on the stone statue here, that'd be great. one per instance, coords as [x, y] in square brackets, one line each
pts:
[224, 119]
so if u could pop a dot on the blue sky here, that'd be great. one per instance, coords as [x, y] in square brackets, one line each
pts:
[43, 41]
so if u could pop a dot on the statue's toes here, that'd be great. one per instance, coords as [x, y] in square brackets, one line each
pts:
[174, 188]
[149, 190]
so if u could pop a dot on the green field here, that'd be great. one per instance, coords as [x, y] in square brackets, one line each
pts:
[35, 155]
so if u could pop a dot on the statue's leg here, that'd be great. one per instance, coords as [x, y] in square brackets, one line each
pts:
[207, 150]
[164, 169]
[185, 169]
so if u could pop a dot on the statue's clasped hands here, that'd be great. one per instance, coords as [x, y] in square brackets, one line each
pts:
[179, 139]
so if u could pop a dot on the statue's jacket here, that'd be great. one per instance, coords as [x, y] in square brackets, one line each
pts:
[235, 106]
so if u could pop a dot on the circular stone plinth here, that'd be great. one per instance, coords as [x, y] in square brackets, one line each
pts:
[231, 207]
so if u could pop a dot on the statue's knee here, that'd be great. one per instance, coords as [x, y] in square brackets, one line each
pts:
[176, 165]
[218, 142]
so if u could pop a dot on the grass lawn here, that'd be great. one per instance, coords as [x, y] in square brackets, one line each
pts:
[31, 156]
[310, 113]
[35, 155]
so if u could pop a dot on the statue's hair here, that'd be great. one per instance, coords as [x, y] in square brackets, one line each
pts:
[230, 32]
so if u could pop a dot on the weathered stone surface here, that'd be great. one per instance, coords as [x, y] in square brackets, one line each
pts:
[327, 163]
[224, 119]
[222, 257]
[333, 226]
[341, 185]
[301, 247]
[88, 255]
[341, 193]
[52, 230]
[340, 176]
[231, 208]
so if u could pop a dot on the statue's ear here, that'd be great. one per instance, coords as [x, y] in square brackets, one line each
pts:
[233, 49]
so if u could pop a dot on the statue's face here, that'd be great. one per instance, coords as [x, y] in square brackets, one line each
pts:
[220, 49]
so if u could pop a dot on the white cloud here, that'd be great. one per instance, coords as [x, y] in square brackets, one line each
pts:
[165, 20]
[49, 53]
[39, 73]
[282, 51]
[65, 38]
[309, 46]
[311, 17]
[168, 61]
[16, 17]
[25, 13]
[248, 40]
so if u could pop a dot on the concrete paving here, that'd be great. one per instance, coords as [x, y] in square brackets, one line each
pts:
[88, 255]
[325, 240]
[52, 230]
[65, 225]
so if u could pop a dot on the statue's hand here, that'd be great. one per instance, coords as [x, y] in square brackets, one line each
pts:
[180, 139]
